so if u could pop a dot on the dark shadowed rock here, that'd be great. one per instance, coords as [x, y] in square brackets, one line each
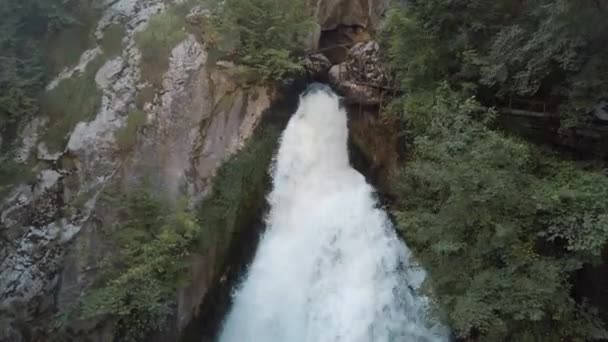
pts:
[362, 13]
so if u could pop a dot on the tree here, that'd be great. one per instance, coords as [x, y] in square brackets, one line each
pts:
[264, 35]
[23, 73]
[550, 50]
[499, 226]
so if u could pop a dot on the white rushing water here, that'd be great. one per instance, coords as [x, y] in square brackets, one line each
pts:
[329, 267]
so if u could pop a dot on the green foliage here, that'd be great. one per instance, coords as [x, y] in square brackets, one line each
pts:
[549, 50]
[165, 30]
[126, 137]
[237, 189]
[261, 34]
[111, 43]
[12, 172]
[414, 54]
[74, 99]
[23, 26]
[77, 98]
[499, 226]
[153, 242]
[19, 83]
[574, 208]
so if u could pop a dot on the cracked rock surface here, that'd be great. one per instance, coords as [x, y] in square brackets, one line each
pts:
[50, 228]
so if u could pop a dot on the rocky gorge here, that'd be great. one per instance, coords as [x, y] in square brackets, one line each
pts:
[146, 101]
[174, 132]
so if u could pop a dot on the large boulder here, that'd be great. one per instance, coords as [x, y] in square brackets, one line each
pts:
[361, 79]
[317, 66]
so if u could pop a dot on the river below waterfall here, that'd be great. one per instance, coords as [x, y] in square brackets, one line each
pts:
[329, 266]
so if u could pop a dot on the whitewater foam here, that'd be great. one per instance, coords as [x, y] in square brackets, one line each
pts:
[329, 266]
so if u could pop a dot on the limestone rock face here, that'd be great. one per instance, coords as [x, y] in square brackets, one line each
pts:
[51, 230]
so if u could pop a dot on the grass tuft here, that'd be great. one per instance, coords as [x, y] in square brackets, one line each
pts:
[165, 30]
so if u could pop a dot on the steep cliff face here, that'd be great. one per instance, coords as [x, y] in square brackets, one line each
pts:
[172, 130]
[51, 228]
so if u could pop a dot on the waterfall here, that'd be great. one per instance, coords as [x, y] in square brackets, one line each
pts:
[329, 266]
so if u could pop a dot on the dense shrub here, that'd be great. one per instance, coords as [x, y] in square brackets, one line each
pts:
[500, 226]
[549, 50]
[74, 99]
[164, 31]
[261, 34]
[138, 284]
[237, 189]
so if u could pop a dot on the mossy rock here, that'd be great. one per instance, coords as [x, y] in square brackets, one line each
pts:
[165, 30]
[73, 100]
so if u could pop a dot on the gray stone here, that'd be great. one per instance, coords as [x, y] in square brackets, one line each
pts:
[361, 78]
[317, 65]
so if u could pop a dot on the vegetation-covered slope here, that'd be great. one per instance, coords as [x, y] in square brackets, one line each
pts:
[26, 63]
[548, 50]
[502, 226]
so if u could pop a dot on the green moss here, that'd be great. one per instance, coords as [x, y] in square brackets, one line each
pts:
[12, 173]
[111, 43]
[239, 184]
[126, 137]
[165, 30]
[152, 245]
[263, 35]
[74, 99]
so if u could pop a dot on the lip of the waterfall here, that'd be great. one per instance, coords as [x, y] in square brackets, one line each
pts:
[317, 87]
